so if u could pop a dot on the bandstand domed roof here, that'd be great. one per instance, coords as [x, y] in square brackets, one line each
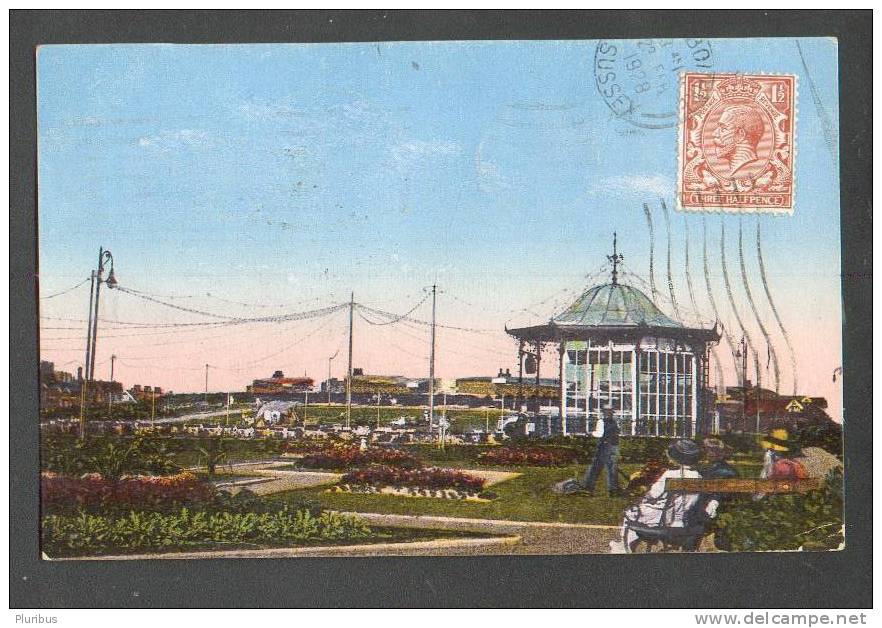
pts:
[614, 305]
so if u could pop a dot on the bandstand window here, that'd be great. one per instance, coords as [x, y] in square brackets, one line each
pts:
[665, 393]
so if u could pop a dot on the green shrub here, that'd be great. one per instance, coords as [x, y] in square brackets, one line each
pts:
[111, 457]
[784, 522]
[87, 533]
[827, 436]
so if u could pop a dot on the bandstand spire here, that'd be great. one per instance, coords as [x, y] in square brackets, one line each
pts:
[616, 259]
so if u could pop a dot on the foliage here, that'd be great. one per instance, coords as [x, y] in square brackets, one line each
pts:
[110, 457]
[94, 492]
[640, 481]
[632, 449]
[530, 456]
[247, 501]
[86, 533]
[213, 453]
[785, 522]
[431, 478]
[827, 435]
[742, 443]
[153, 455]
[351, 457]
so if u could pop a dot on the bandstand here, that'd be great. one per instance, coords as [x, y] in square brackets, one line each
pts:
[616, 347]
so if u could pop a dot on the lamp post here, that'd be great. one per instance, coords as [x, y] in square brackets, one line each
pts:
[97, 275]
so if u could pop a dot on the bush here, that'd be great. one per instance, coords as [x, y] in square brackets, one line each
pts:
[827, 436]
[352, 457]
[86, 533]
[430, 478]
[529, 456]
[94, 492]
[785, 522]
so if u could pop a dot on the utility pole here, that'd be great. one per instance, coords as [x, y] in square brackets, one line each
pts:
[349, 368]
[432, 365]
[206, 382]
[378, 408]
[742, 353]
[152, 408]
[329, 375]
[92, 329]
[110, 392]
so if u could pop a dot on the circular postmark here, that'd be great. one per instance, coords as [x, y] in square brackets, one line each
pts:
[638, 80]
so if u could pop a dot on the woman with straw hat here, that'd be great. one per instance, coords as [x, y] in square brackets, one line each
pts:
[777, 463]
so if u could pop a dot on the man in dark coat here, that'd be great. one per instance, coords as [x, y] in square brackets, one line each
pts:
[605, 456]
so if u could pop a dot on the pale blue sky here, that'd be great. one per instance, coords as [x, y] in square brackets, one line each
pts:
[278, 171]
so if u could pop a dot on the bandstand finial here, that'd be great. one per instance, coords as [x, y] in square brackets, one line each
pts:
[616, 259]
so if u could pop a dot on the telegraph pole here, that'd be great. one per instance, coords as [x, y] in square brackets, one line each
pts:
[432, 365]
[206, 383]
[329, 375]
[349, 368]
[110, 393]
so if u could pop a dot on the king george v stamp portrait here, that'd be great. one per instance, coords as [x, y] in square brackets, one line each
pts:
[737, 143]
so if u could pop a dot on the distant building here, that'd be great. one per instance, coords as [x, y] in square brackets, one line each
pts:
[145, 393]
[279, 384]
[334, 385]
[752, 409]
[508, 385]
[60, 389]
[384, 384]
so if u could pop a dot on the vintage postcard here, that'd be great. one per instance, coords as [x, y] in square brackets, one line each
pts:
[439, 298]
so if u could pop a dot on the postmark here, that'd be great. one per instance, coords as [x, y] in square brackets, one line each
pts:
[638, 80]
[736, 148]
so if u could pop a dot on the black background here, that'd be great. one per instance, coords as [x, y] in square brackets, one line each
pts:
[801, 580]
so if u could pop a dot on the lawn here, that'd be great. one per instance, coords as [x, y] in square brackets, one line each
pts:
[524, 498]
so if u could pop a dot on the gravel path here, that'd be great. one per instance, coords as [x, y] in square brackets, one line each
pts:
[534, 537]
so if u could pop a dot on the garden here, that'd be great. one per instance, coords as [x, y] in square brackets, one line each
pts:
[126, 495]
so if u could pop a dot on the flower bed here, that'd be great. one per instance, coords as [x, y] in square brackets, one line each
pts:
[529, 456]
[87, 533]
[352, 457]
[430, 478]
[94, 492]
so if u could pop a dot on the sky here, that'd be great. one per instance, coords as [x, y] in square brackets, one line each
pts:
[254, 180]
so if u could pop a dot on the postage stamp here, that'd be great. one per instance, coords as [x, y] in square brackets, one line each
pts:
[737, 143]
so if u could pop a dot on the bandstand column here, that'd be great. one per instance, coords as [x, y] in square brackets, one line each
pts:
[562, 403]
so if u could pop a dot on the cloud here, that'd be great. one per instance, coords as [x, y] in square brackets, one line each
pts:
[170, 140]
[638, 184]
[257, 110]
[419, 149]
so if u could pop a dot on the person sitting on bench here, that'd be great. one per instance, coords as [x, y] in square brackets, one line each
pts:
[662, 515]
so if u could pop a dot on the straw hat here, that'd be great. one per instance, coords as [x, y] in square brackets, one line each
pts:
[777, 440]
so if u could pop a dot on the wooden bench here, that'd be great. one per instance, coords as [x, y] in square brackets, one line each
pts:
[742, 485]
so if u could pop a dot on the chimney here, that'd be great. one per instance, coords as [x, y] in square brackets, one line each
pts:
[79, 373]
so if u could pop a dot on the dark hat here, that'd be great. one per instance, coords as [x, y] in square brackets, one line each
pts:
[684, 451]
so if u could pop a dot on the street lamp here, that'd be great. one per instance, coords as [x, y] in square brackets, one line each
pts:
[104, 257]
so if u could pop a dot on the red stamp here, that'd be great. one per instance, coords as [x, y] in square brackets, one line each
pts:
[736, 142]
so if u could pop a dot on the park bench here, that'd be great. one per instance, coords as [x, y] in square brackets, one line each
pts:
[689, 537]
